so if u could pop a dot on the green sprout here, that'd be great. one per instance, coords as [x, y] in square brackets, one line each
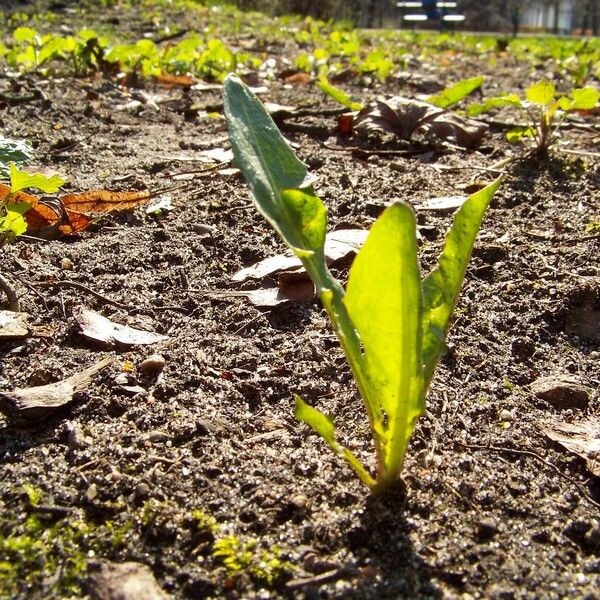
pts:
[390, 323]
[541, 107]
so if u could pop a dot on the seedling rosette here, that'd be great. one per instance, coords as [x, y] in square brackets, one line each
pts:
[390, 323]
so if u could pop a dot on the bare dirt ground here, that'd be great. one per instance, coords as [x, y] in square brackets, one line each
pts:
[156, 467]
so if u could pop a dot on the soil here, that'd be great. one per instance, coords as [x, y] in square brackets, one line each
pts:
[491, 508]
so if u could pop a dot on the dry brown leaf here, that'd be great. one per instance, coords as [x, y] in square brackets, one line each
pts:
[102, 201]
[581, 438]
[32, 404]
[13, 324]
[96, 327]
[338, 245]
[299, 78]
[167, 80]
[405, 117]
[291, 287]
[40, 215]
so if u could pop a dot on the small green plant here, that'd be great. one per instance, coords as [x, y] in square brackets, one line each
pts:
[12, 221]
[265, 566]
[541, 107]
[336, 94]
[390, 324]
[455, 93]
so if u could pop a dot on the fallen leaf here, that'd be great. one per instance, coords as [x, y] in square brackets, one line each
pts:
[220, 155]
[299, 78]
[96, 327]
[123, 581]
[582, 439]
[405, 117]
[294, 286]
[442, 203]
[161, 204]
[102, 201]
[35, 403]
[13, 324]
[338, 245]
[167, 80]
[276, 110]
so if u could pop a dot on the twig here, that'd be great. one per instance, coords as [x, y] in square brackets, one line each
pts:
[79, 286]
[11, 294]
[368, 151]
[295, 584]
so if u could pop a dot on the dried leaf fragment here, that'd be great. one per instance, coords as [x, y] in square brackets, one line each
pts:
[123, 581]
[338, 245]
[35, 403]
[581, 438]
[13, 324]
[442, 203]
[96, 327]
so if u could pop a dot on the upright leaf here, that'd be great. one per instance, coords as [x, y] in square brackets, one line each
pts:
[270, 166]
[442, 286]
[585, 98]
[383, 299]
[338, 95]
[541, 92]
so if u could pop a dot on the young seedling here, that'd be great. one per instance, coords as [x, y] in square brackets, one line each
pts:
[390, 323]
[12, 222]
[545, 111]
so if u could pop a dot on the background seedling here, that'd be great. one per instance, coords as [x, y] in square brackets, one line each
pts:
[390, 324]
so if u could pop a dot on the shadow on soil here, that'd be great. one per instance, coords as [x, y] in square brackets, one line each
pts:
[382, 541]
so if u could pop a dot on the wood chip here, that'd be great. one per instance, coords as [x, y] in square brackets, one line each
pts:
[123, 581]
[13, 324]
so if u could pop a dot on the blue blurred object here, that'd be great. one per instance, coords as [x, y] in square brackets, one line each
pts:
[430, 9]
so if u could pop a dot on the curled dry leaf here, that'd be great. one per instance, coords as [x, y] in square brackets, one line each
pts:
[13, 324]
[338, 245]
[294, 286]
[35, 403]
[581, 438]
[405, 117]
[96, 327]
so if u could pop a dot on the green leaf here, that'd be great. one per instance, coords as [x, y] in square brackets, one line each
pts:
[383, 298]
[541, 92]
[585, 98]
[24, 34]
[338, 95]
[454, 94]
[13, 223]
[19, 180]
[516, 134]
[323, 425]
[270, 167]
[506, 100]
[442, 286]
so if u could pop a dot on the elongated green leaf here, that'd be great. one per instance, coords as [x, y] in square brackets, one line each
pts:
[338, 95]
[457, 92]
[383, 298]
[270, 166]
[541, 92]
[516, 134]
[585, 98]
[20, 180]
[323, 425]
[442, 286]
[506, 100]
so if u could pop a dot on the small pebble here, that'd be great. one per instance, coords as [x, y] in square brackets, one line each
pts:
[76, 440]
[299, 501]
[91, 492]
[505, 415]
[153, 365]
[142, 490]
[66, 264]
[122, 379]
[486, 529]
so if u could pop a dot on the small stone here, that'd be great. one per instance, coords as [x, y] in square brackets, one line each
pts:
[66, 264]
[486, 529]
[122, 379]
[153, 365]
[76, 439]
[299, 501]
[562, 391]
[142, 490]
[505, 415]
[157, 437]
[91, 492]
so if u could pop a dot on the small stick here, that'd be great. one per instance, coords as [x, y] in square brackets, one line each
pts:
[80, 286]
[11, 294]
